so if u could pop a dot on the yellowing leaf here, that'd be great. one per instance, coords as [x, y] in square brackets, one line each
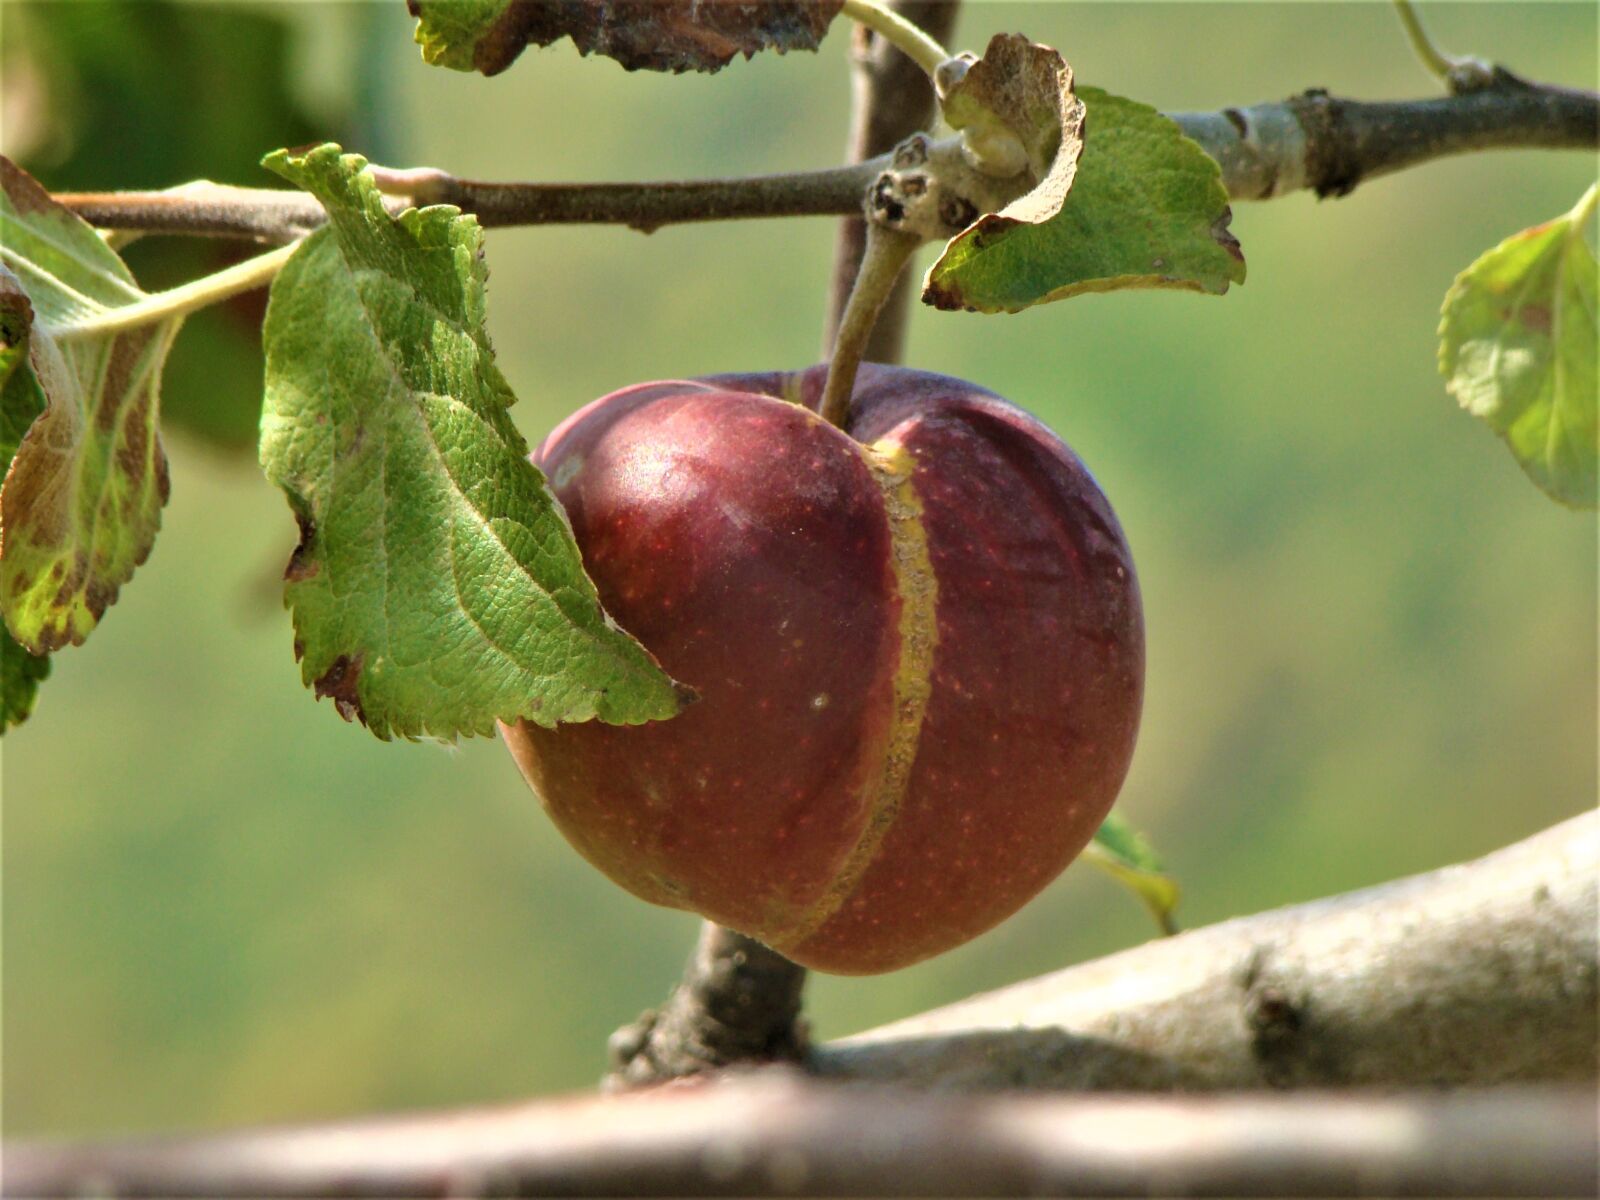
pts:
[82, 497]
[1123, 853]
[1518, 349]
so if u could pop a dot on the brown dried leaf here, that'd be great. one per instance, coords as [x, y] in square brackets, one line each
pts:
[1020, 89]
[651, 35]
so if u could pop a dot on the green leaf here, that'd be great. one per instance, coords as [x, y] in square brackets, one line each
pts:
[82, 497]
[1518, 348]
[437, 586]
[20, 676]
[1122, 852]
[451, 32]
[21, 402]
[1147, 209]
[650, 35]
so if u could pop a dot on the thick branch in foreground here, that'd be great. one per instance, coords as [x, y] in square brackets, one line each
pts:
[1311, 141]
[1482, 973]
[775, 1134]
[739, 1001]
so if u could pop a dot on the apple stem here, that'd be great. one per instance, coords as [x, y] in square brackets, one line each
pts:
[905, 35]
[882, 259]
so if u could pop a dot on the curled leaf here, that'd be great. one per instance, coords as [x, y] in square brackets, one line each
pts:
[1020, 94]
[1146, 209]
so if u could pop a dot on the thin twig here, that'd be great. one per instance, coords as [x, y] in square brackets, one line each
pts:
[204, 209]
[275, 215]
[648, 206]
[772, 1134]
[1433, 60]
[891, 100]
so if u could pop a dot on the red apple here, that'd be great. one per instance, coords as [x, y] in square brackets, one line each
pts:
[918, 646]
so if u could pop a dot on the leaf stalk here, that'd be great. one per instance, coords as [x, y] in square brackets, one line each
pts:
[1458, 72]
[895, 29]
[1583, 211]
[184, 299]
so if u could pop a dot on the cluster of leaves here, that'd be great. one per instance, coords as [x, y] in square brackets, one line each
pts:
[437, 588]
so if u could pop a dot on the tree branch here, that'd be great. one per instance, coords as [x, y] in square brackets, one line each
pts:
[739, 1001]
[1329, 145]
[774, 1134]
[1482, 973]
[648, 206]
[278, 215]
[1313, 140]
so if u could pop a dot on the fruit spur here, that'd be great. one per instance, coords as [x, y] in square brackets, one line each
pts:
[917, 643]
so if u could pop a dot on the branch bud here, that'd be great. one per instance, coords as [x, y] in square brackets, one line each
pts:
[933, 191]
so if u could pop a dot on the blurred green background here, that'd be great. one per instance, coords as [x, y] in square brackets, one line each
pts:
[1372, 642]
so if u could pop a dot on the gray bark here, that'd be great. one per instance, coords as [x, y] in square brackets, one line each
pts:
[1312, 140]
[777, 1135]
[1482, 973]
